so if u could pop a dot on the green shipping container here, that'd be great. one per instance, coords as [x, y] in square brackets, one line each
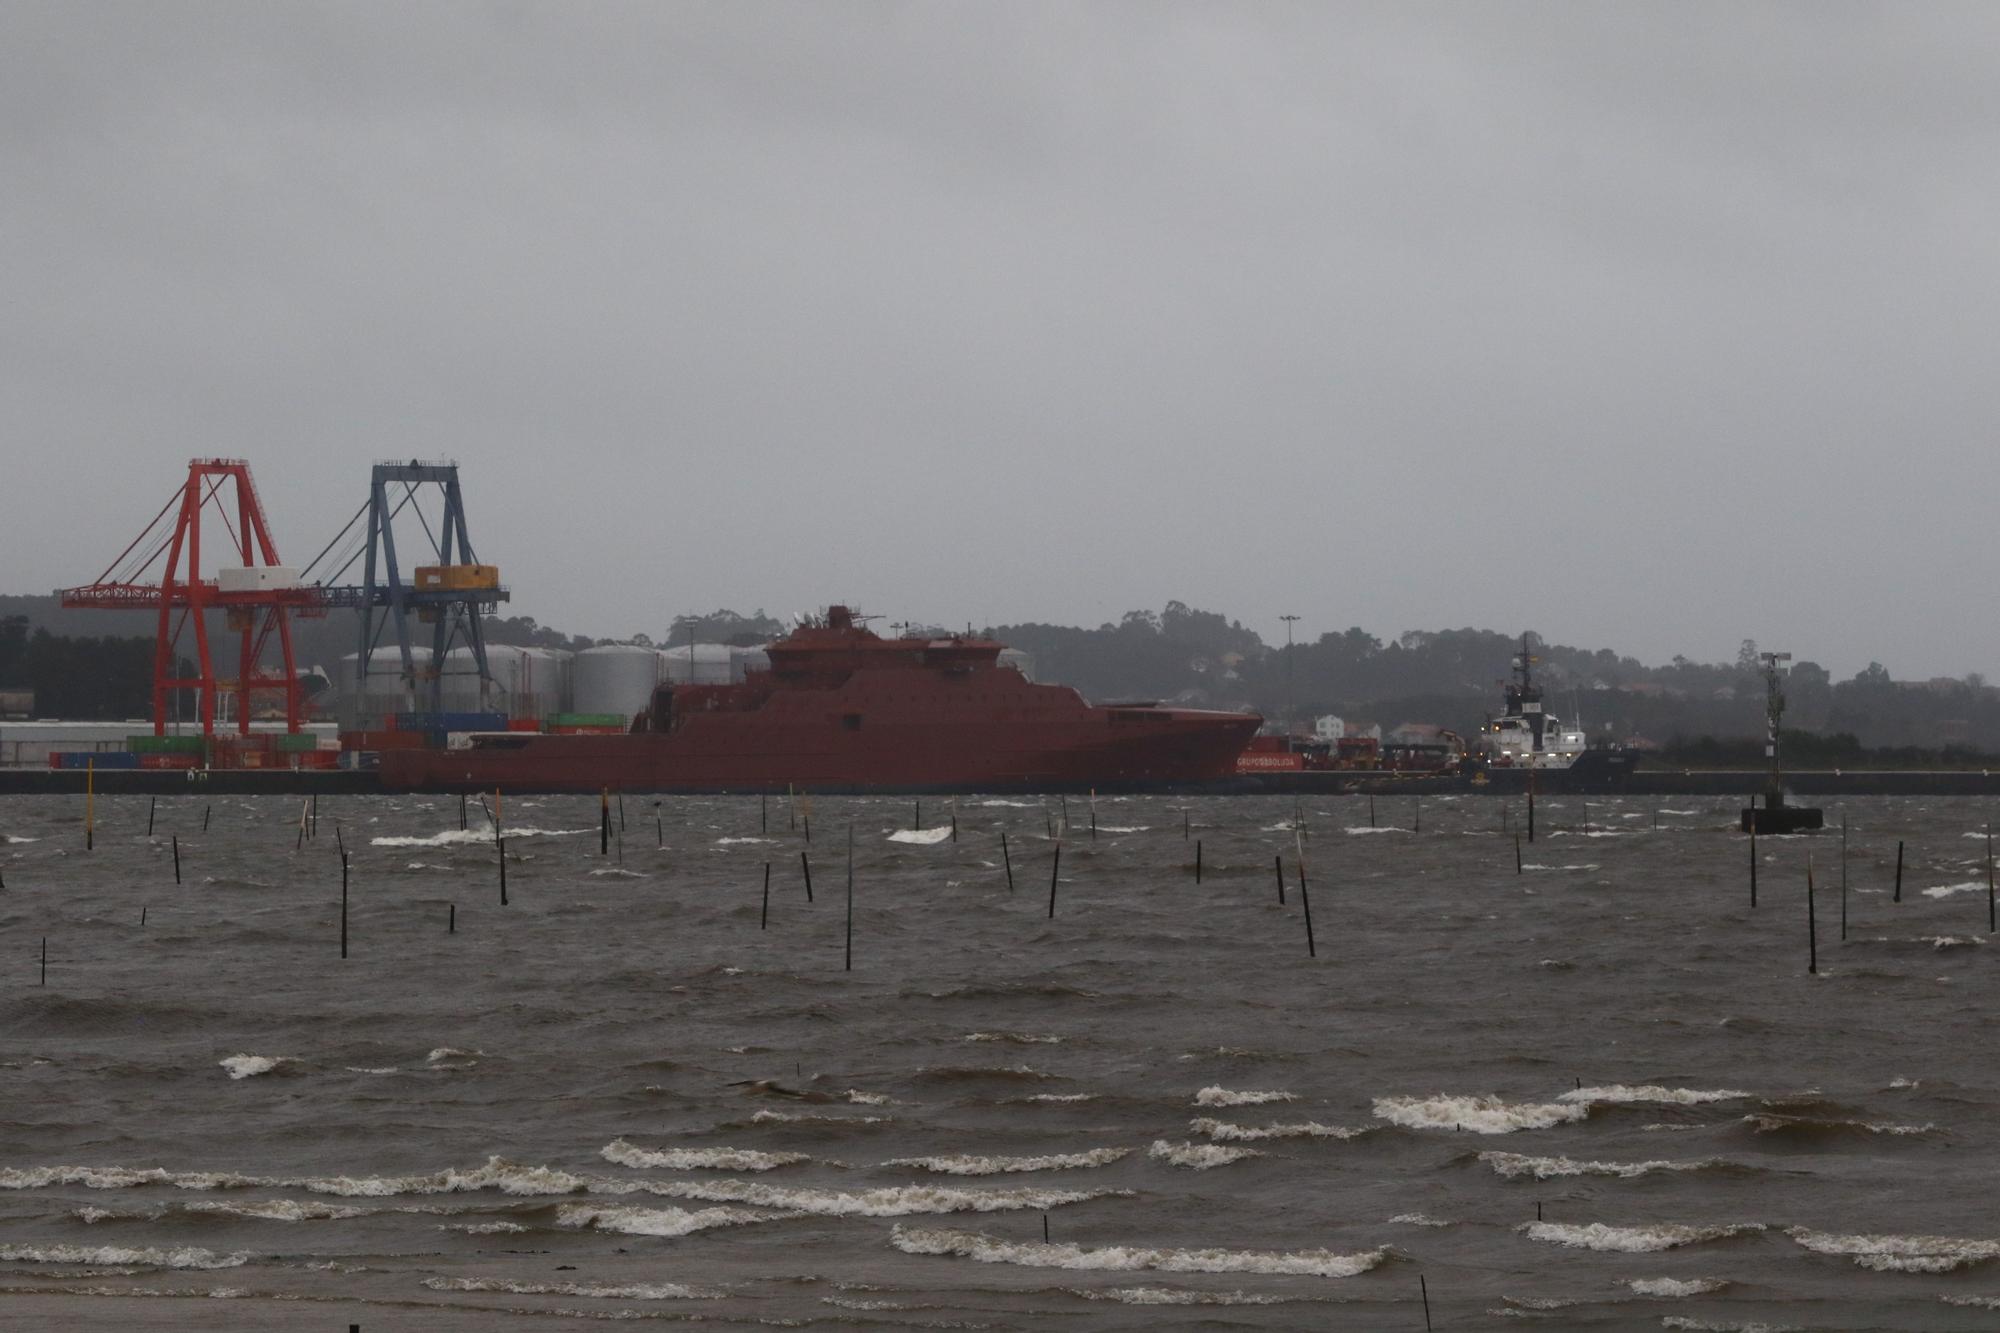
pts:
[290, 743]
[588, 720]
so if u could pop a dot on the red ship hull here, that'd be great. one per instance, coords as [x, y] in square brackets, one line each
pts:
[843, 710]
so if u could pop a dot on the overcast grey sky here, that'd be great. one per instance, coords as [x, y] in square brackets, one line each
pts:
[1653, 326]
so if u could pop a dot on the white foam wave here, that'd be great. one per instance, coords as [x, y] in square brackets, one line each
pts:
[483, 1228]
[618, 872]
[1198, 1156]
[1947, 890]
[894, 1201]
[1651, 1092]
[1213, 1096]
[1899, 1254]
[1481, 1115]
[1224, 1132]
[1119, 1258]
[698, 1159]
[1943, 942]
[1419, 1220]
[646, 1291]
[186, 1256]
[1673, 1286]
[1061, 1097]
[366, 1069]
[1017, 1038]
[1176, 1296]
[1512, 1166]
[458, 837]
[1583, 865]
[248, 1066]
[922, 837]
[737, 842]
[1973, 1302]
[1643, 1239]
[1126, 828]
[275, 1210]
[1691, 1325]
[632, 1221]
[965, 1164]
[1384, 829]
[860, 1098]
[450, 1057]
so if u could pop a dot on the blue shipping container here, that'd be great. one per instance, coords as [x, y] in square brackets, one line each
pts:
[104, 759]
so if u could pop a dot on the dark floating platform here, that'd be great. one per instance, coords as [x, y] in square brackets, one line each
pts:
[1777, 817]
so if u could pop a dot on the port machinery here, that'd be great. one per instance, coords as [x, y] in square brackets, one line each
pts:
[161, 570]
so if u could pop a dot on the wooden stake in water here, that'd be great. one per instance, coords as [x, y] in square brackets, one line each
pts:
[1065, 811]
[45, 960]
[1305, 901]
[1197, 860]
[809, 829]
[451, 919]
[1843, 876]
[343, 907]
[763, 811]
[461, 812]
[1007, 860]
[1899, 871]
[152, 804]
[764, 921]
[621, 812]
[1423, 1289]
[89, 804]
[805, 868]
[305, 813]
[1280, 868]
[604, 822]
[849, 966]
[791, 810]
[1417, 819]
[1184, 824]
[501, 844]
[1093, 812]
[1990, 923]
[1753, 863]
[659, 829]
[1371, 812]
[1055, 866]
[206, 811]
[177, 858]
[1517, 853]
[917, 815]
[1812, 924]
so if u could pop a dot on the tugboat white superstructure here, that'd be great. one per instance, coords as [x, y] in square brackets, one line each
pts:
[1524, 735]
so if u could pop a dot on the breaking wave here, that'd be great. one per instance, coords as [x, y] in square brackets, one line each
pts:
[650, 1291]
[1512, 1166]
[698, 1159]
[459, 837]
[1198, 1156]
[1673, 1286]
[894, 1201]
[632, 1221]
[1899, 1254]
[1222, 1131]
[1213, 1096]
[1127, 1259]
[1619, 1093]
[1481, 1115]
[965, 1164]
[248, 1066]
[1632, 1240]
[186, 1256]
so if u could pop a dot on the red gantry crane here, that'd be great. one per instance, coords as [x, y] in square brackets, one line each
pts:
[254, 591]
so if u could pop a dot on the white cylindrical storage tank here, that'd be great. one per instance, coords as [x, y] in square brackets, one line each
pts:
[698, 664]
[366, 705]
[615, 678]
[1020, 661]
[461, 682]
[743, 661]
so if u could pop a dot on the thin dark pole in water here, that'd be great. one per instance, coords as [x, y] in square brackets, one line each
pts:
[791, 809]
[1843, 876]
[206, 811]
[1753, 863]
[1065, 810]
[604, 822]
[1197, 860]
[45, 960]
[177, 858]
[1093, 820]
[339, 842]
[152, 804]
[343, 907]
[1812, 923]
[142, 917]
[1184, 824]
[849, 966]
[461, 812]
[954, 826]
[451, 919]
[809, 829]
[1371, 812]
[312, 819]
[1417, 821]
[1045, 1228]
[1055, 865]
[1281, 878]
[501, 843]
[1899, 870]
[1538, 1210]
[1305, 901]
[304, 809]
[763, 812]
[805, 867]
[764, 921]
[1048, 826]
[659, 830]
[1517, 853]
[1989, 878]
[1007, 860]
[917, 815]
[1423, 1289]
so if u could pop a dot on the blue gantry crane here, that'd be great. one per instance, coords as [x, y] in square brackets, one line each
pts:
[449, 591]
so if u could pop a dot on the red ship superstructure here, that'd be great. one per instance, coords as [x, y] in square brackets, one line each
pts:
[843, 709]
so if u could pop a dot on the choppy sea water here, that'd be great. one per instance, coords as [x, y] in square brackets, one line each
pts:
[618, 1098]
